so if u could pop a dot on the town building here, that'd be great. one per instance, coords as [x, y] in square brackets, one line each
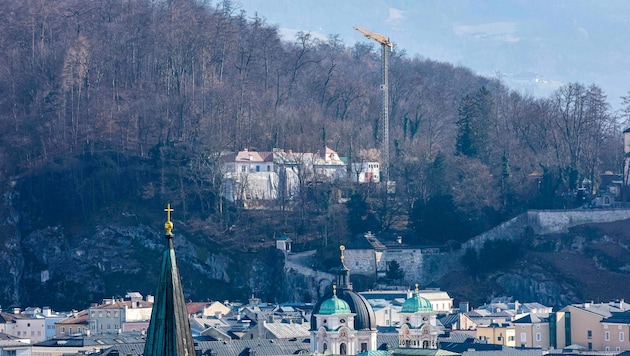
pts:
[75, 324]
[115, 315]
[370, 256]
[365, 172]
[583, 325]
[281, 175]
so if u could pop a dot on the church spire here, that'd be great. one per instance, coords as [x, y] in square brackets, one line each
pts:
[343, 274]
[169, 331]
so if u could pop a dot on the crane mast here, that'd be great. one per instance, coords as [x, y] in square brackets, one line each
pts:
[386, 46]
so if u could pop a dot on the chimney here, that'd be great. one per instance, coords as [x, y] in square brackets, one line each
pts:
[150, 299]
[46, 311]
[16, 310]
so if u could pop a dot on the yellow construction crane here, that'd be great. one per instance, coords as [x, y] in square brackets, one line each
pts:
[376, 37]
[385, 43]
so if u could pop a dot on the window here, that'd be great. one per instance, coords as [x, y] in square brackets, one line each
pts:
[523, 337]
[116, 314]
[18, 333]
[538, 337]
[268, 168]
[589, 334]
[32, 332]
[590, 346]
[63, 330]
[257, 168]
[243, 169]
[617, 348]
[363, 346]
[70, 330]
[607, 336]
[607, 348]
[621, 336]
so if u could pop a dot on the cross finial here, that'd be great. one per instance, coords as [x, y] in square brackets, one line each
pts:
[168, 225]
[335, 289]
[342, 248]
[417, 290]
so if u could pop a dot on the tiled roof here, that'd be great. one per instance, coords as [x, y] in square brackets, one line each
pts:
[422, 352]
[506, 351]
[195, 307]
[531, 319]
[449, 320]
[120, 304]
[288, 331]
[126, 349]
[253, 156]
[8, 317]
[80, 318]
[95, 340]
[601, 309]
[618, 318]
[374, 353]
[261, 347]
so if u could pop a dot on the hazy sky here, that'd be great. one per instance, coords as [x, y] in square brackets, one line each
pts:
[535, 45]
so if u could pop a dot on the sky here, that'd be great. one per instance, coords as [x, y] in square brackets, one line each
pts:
[533, 46]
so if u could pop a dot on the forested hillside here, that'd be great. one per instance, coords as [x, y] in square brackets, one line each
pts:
[112, 103]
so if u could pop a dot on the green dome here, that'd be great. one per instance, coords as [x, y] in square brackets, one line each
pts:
[334, 305]
[417, 304]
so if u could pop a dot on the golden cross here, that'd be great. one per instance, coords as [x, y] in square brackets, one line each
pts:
[334, 289]
[342, 248]
[168, 212]
[417, 290]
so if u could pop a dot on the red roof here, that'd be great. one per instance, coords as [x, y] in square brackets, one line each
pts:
[80, 318]
[195, 307]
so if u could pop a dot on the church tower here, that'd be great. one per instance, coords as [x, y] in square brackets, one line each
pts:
[335, 328]
[359, 322]
[418, 328]
[169, 331]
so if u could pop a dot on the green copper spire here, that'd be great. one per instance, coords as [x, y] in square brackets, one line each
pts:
[169, 331]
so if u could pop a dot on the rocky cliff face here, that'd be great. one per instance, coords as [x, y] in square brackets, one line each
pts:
[586, 262]
[68, 266]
